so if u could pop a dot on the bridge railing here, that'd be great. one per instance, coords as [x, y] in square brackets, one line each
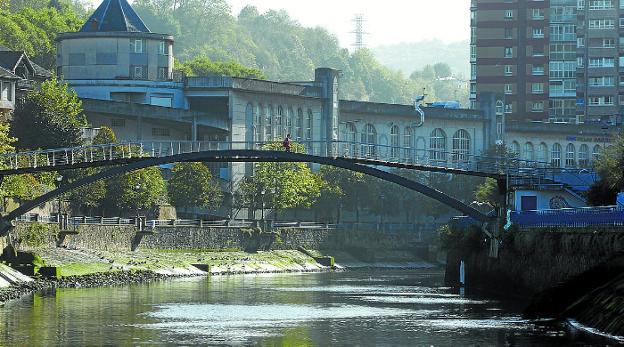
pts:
[569, 217]
[458, 160]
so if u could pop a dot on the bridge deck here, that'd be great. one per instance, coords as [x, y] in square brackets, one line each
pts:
[360, 153]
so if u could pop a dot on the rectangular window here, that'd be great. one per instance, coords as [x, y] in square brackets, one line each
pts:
[4, 90]
[473, 53]
[537, 88]
[604, 81]
[538, 70]
[538, 13]
[161, 132]
[508, 108]
[106, 58]
[163, 48]
[580, 62]
[508, 52]
[563, 32]
[77, 59]
[600, 4]
[538, 50]
[601, 100]
[580, 4]
[164, 101]
[601, 62]
[538, 33]
[508, 14]
[508, 70]
[508, 33]
[538, 106]
[562, 51]
[604, 23]
[608, 43]
[138, 72]
[580, 42]
[562, 69]
[622, 21]
[163, 73]
[136, 46]
[508, 89]
[473, 71]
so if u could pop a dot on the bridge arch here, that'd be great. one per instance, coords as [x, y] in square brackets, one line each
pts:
[245, 156]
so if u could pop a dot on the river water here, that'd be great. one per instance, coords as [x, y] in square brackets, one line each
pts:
[362, 308]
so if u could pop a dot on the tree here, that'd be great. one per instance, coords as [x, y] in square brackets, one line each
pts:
[140, 189]
[192, 185]
[50, 117]
[601, 193]
[202, 66]
[91, 197]
[340, 189]
[610, 165]
[280, 186]
[488, 193]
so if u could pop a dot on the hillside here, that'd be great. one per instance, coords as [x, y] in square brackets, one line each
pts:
[409, 57]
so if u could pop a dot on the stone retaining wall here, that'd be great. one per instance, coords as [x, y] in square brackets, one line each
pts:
[532, 261]
[30, 236]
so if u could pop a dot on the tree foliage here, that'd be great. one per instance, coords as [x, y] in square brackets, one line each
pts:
[202, 66]
[91, 197]
[31, 26]
[280, 186]
[50, 117]
[192, 185]
[140, 189]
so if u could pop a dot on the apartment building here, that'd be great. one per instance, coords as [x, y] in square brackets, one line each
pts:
[553, 60]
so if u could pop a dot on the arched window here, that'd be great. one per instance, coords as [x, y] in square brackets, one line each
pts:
[259, 123]
[394, 142]
[542, 154]
[268, 124]
[309, 124]
[529, 152]
[570, 156]
[299, 125]
[555, 155]
[584, 156]
[369, 141]
[279, 125]
[437, 145]
[407, 143]
[351, 148]
[515, 148]
[596, 153]
[289, 121]
[461, 146]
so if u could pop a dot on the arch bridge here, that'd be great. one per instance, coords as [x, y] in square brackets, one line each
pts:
[359, 157]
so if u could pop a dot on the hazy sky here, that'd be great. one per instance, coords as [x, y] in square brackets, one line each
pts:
[387, 21]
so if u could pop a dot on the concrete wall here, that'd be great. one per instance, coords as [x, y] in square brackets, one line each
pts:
[112, 238]
[533, 261]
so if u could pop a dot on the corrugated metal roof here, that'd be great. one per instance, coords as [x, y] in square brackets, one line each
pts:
[114, 15]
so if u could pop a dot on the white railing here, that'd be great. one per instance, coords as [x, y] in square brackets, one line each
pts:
[371, 153]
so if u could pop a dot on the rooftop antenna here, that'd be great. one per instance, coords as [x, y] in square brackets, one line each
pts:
[359, 31]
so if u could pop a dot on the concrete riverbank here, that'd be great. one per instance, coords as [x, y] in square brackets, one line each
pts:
[566, 274]
[111, 255]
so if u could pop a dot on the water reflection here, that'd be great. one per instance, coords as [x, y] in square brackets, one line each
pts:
[398, 308]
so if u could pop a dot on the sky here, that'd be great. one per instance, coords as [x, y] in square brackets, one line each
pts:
[387, 21]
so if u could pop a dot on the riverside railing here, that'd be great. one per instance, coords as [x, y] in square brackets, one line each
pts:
[569, 217]
[229, 223]
[367, 152]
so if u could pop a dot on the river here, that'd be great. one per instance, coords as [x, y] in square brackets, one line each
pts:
[365, 308]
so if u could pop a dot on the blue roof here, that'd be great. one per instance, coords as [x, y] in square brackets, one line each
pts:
[115, 15]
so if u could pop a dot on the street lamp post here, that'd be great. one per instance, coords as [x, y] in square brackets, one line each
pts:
[59, 180]
[137, 188]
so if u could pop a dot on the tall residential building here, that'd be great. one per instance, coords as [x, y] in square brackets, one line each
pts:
[551, 60]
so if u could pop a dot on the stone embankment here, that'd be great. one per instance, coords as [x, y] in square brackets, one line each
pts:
[568, 274]
[96, 255]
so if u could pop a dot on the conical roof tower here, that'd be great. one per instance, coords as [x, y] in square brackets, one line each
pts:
[116, 16]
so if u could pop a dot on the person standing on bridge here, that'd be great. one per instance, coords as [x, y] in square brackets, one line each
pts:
[286, 143]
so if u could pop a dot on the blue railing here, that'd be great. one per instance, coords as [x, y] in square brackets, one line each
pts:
[569, 217]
